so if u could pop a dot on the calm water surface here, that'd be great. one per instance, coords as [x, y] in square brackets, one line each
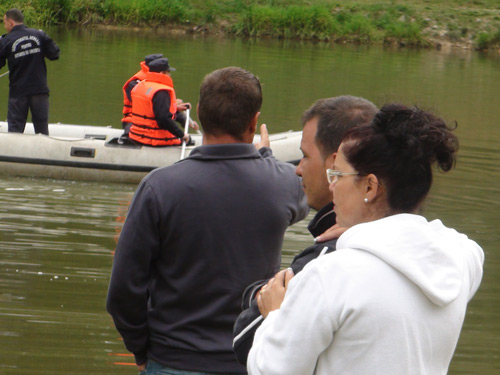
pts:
[57, 237]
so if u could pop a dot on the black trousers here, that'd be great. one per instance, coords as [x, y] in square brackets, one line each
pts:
[18, 113]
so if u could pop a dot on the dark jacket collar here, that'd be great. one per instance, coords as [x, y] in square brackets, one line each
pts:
[225, 151]
[324, 219]
[18, 27]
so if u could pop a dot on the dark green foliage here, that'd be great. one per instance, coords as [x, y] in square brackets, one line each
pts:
[486, 41]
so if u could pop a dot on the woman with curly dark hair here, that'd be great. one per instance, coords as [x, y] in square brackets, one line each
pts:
[392, 299]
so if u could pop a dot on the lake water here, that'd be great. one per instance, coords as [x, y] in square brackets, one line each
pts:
[57, 237]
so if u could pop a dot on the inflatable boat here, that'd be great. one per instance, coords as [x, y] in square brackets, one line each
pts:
[97, 153]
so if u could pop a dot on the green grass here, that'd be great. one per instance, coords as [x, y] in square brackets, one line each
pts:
[351, 23]
[292, 22]
[473, 23]
[486, 41]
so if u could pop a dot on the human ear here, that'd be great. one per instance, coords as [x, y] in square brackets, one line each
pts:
[372, 188]
[252, 126]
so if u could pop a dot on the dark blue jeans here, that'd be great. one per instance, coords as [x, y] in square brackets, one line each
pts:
[155, 368]
[18, 113]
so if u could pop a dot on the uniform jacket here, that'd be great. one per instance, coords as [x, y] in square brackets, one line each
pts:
[25, 50]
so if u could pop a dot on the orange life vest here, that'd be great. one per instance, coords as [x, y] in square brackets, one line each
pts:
[145, 128]
[127, 104]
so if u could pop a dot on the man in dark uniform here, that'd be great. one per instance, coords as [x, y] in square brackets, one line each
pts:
[25, 50]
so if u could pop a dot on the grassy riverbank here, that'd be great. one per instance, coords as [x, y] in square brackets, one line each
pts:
[428, 23]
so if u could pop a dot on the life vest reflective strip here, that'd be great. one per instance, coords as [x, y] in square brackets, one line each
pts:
[127, 104]
[145, 128]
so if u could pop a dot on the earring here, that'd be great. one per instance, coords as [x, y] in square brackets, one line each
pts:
[366, 200]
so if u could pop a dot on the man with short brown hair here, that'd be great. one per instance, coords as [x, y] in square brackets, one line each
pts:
[198, 232]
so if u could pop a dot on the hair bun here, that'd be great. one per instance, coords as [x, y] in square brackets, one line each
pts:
[415, 135]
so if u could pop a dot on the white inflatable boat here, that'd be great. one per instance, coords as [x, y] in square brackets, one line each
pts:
[94, 153]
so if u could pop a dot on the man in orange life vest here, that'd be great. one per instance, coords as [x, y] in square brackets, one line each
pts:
[155, 109]
[130, 84]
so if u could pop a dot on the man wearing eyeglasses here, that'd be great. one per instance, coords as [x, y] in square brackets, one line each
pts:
[198, 232]
[324, 123]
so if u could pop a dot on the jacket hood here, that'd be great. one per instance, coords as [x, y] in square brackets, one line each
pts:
[435, 258]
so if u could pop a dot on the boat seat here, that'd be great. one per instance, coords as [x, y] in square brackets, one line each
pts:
[124, 142]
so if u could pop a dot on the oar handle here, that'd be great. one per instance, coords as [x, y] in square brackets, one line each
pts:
[186, 130]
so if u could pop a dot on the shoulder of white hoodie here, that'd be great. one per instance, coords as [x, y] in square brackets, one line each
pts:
[435, 258]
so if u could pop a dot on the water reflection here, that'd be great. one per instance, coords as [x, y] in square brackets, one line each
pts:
[56, 245]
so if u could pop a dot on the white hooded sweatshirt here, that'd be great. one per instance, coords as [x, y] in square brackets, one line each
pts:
[390, 301]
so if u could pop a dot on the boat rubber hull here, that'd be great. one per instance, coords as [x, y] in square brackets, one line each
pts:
[76, 152]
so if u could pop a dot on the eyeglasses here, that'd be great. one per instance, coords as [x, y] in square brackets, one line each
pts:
[333, 175]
